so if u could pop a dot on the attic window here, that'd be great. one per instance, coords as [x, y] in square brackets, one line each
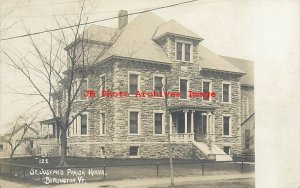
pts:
[183, 51]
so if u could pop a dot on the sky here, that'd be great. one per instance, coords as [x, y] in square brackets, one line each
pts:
[265, 31]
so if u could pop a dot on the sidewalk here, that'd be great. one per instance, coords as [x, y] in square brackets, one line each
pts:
[154, 182]
[9, 184]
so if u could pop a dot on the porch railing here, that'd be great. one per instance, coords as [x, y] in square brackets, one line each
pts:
[182, 137]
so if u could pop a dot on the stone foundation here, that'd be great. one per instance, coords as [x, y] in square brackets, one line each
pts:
[157, 150]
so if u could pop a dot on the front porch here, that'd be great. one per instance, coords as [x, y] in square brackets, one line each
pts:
[190, 124]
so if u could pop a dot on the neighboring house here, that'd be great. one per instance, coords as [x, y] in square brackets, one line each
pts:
[29, 146]
[247, 103]
[146, 52]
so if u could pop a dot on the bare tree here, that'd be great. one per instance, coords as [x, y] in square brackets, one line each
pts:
[61, 77]
[19, 133]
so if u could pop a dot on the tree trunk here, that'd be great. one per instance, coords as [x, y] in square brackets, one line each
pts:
[63, 148]
[12, 153]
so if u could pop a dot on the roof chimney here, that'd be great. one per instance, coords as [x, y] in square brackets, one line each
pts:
[123, 18]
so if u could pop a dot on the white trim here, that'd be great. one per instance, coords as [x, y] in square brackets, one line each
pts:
[139, 82]
[210, 89]
[162, 120]
[139, 121]
[230, 125]
[163, 82]
[229, 92]
[187, 88]
[204, 114]
[183, 42]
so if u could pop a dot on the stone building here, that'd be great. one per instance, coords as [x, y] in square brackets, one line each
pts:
[247, 103]
[149, 54]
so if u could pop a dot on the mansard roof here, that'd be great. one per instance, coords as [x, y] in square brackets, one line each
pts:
[174, 28]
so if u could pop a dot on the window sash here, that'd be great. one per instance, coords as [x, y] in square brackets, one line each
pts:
[133, 83]
[183, 88]
[83, 128]
[133, 123]
[226, 126]
[226, 88]
[187, 55]
[158, 118]
[102, 124]
[206, 89]
[179, 46]
[133, 150]
[158, 83]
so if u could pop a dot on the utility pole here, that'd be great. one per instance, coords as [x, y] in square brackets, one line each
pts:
[169, 132]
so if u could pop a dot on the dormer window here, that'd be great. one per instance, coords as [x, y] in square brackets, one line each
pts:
[183, 51]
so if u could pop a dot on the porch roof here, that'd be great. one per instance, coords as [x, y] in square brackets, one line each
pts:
[48, 121]
[179, 107]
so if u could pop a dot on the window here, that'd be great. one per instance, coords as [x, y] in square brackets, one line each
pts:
[133, 122]
[226, 92]
[84, 120]
[183, 51]
[179, 51]
[206, 89]
[31, 144]
[102, 123]
[247, 139]
[226, 126]
[133, 151]
[158, 83]
[245, 108]
[80, 125]
[158, 123]
[133, 83]
[1, 147]
[204, 123]
[187, 54]
[226, 149]
[183, 88]
[102, 83]
[83, 89]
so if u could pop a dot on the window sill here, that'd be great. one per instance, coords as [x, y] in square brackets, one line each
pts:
[135, 157]
[226, 102]
[227, 136]
[181, 61]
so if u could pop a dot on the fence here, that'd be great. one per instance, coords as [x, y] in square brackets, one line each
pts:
[47, 175]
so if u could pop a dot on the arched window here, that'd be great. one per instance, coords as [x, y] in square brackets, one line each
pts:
[245, 108]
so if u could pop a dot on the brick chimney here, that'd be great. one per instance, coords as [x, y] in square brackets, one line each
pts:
[122, 18]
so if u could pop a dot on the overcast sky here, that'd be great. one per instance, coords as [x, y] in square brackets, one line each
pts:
[266, 32]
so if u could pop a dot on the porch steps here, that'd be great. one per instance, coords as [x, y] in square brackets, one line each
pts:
[214, 150]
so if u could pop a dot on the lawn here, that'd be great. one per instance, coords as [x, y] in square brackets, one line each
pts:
[116, 169]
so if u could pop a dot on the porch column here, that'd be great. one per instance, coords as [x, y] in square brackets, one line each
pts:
[213, 127]
[171, 124]
[185, 121]
[208, 123]
[192, 122]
